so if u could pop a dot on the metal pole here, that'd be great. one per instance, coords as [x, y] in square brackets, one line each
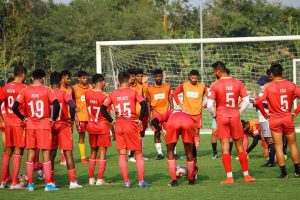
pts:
[201, 36]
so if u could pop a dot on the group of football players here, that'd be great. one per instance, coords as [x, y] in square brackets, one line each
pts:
[37, 117]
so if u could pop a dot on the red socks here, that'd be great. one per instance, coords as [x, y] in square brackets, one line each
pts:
[123, 167]
[5, 167]
[72, 175]
[190, 167]
[172, 168]
[245, 142]
[29, 172]
[140, 166]
[16, 162]
[92, 164]
[227, 162]
[101, 168]
[243, 161]
[47, 167]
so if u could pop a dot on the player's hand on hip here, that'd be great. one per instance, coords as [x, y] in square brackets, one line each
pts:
[139, 122]
[113, 122]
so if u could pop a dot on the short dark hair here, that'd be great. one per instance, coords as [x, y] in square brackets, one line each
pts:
[268, 72]
[55, 78]
[276, 69]
[194, 72]
[157, 71]
[123, 77]
[139, 71]
[98, 78]
[66, 73]
[227, 71]
[38, 74]
[19, 69]
[220, 66]
[81, 73]
[10, 79]
[131, 71]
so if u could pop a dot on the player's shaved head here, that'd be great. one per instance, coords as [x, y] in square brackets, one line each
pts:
[55, 78]
[98, 78]
[123, 77]
[276, 69]
[38, 74]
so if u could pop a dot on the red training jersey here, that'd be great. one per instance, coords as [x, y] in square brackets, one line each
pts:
[94, 100]
[10, 93]
[226, 92]
[124, 102]
[37, 100]
[280, 95]
[63, 99]
[178, 116]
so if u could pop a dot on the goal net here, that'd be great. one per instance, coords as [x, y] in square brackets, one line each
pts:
[246, 58]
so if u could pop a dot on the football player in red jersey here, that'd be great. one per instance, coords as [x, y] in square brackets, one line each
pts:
[37, 99]
[280, 94]
[62, 129]
[98, 128]
[14, 128]
[226, 92]
[179, 122]
[127, 125]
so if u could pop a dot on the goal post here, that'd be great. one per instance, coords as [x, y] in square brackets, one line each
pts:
[246, 57]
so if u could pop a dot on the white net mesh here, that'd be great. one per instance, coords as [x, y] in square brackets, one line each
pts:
[246, 61]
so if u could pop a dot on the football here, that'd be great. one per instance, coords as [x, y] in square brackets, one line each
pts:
[22, 180]
[181, 171]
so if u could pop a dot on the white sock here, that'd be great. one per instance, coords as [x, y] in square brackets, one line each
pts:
[229, 175]
[158, 148]
[246, 173]
[175, 151]
[143, 143]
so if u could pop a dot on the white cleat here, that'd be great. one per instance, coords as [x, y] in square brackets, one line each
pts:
[3, 185]
[132, 159]
[101, 182]
[92, 181]
[16, 187]
[74, 185]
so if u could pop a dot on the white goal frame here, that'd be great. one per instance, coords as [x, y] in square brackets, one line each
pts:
[295, 61]
[100, 44]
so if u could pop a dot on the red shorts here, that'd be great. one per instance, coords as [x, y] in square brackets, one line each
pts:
[62, 136]
[15, 136]
[229, 127]
[128, 135]
[186, 130]
[81, 126]
[284, 124]
[198, 120]
[38, 138]
[99, 140]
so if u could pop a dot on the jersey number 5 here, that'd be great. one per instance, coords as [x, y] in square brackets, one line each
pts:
[284, 103]
[230, 100]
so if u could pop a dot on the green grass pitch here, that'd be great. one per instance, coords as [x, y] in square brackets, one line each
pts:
[156, 172]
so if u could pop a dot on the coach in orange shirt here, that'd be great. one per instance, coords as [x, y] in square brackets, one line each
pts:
[81, 117]
[193, 92]
[160, 101]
